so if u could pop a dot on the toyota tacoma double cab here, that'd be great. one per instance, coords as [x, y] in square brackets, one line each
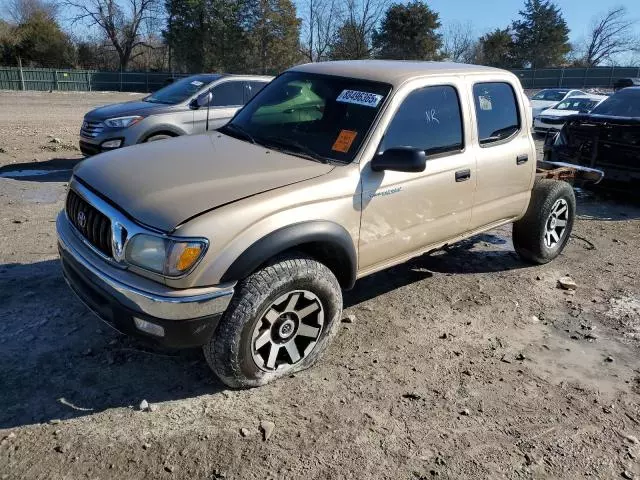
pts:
[241, 240]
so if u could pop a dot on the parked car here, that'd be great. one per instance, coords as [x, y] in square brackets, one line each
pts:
[334, 171]
[171, 111]
[608, 138]
[626, 82]
[553, 118]
[552, 96]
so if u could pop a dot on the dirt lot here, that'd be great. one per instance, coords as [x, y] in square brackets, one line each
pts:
[464, 364]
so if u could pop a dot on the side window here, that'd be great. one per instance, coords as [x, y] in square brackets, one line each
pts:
[228, 94]
[252, 88]
[496, 111]
[428, 119]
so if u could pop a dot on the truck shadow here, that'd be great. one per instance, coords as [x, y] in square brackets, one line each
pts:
[59, 361]
[485, 253]
[54, 170]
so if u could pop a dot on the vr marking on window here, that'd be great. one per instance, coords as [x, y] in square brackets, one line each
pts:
[432, 116]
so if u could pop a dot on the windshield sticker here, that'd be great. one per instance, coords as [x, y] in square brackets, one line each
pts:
[485, 103]
[344, 141]
[196, 83]
[359, 98]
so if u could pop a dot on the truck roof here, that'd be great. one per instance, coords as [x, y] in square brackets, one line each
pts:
[394, 72]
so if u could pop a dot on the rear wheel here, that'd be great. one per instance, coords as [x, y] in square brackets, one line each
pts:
[541, 235]
[281, 319]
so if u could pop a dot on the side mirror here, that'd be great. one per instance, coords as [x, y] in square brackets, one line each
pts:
[202, 100]
[401, 159]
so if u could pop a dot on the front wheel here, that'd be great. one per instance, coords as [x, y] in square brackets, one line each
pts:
[541, 235]
[281, 319]
[160, 136]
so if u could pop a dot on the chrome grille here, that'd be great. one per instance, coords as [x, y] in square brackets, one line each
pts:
[91, 129]
[92, 224]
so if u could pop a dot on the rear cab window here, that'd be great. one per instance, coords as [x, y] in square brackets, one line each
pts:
[498, 117]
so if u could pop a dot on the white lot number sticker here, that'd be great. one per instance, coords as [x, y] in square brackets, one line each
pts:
[359, 98]
[196, 83]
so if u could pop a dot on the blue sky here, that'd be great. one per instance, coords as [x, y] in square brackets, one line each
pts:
[486, 15]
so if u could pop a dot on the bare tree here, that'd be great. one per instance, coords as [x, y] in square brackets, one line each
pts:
[121, 22]
[610, 35]
[319, 27]
[20, 11]
[459, 43]
[363, 16]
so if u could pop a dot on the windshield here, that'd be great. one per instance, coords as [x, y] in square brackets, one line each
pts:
[318, 116]
[577, 104]
[625, 103]
[550, 95]
[181, 90]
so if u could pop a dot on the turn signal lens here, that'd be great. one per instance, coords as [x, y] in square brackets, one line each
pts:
[188, 257]
[183, 256]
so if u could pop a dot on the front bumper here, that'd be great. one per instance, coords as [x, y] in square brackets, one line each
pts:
[93, 146]
[187, 318]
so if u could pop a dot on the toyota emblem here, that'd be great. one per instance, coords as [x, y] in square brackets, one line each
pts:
[82, 219]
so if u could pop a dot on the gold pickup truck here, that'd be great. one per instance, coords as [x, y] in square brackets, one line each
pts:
[242, 239]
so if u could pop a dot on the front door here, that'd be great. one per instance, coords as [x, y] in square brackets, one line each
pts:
[405, 213]
[228, 97]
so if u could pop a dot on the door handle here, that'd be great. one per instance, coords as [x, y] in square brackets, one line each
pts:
[522, 159]
[463, 175]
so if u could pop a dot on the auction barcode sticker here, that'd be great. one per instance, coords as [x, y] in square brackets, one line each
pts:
[359, 98]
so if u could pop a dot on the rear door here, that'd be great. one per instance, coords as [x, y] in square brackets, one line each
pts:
[228, 97]
[505, 152]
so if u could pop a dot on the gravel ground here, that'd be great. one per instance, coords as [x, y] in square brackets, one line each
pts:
[464, 364]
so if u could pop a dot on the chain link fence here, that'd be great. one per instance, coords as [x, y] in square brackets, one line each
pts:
[51, 79]
[597, 77]
[45, 79]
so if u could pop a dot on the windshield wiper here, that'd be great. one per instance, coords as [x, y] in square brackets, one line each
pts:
[237, 129]
[288, 143]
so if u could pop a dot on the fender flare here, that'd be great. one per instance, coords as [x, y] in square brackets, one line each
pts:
[327, 241]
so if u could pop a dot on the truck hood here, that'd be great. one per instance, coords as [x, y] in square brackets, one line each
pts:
[161, 184]
[136, 107]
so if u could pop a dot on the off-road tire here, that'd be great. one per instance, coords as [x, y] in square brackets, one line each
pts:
[529, 231]
[229, 351]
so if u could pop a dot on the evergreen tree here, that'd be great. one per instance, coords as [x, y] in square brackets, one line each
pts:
[496, 49]
[541, 36]
[272, 30]
[350, 43]
[39, 41]
[409, 32]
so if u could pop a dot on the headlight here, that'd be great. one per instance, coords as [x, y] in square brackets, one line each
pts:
[164, 256]
[122, 122]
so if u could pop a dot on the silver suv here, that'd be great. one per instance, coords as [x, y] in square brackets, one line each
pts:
[177, 109]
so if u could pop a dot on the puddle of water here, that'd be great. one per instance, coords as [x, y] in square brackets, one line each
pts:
[31, 173]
